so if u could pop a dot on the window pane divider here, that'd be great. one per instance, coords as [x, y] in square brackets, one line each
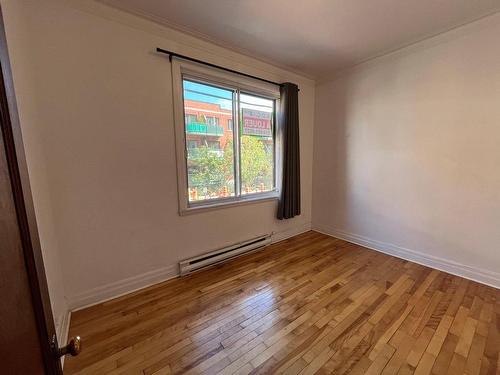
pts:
[235, 144]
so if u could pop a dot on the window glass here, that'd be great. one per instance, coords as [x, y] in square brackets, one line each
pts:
[212, 120]
[230, 142]
[210, 160]
[256, 144]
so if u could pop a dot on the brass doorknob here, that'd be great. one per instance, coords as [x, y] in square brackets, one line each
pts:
[73, 348]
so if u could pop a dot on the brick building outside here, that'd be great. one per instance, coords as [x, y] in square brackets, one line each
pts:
[207, 124]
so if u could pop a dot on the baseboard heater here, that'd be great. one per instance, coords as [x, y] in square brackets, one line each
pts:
[222, 255]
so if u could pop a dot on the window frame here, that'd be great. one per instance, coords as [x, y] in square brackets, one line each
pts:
[181, 70]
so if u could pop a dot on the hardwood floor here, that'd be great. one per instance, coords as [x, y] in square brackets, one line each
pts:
[310, 304]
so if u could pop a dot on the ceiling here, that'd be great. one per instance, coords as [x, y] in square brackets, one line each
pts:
[315, 37]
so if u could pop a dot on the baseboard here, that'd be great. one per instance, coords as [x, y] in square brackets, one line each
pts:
[472, 273]
[122, 287]
[63, 332]
[119, 288]
[292, 232]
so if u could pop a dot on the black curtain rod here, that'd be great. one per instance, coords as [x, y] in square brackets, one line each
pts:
[173, 54]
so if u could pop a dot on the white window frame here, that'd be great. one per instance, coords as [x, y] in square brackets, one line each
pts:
[181, 69]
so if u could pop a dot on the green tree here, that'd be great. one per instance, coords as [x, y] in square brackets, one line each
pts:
[256, 166]
[206, 170]
[210, 171]
[256, 162]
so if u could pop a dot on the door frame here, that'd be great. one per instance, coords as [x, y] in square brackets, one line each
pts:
[23, 201]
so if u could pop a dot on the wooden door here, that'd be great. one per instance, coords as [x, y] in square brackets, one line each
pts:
[27, 334]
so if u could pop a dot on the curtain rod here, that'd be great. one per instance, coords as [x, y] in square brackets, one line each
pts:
[173, 54]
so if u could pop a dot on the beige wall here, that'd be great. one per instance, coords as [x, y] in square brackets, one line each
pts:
[96, 109]
[34, 138]
[407, 152]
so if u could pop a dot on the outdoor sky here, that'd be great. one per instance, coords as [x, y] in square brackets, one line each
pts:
[210, 94]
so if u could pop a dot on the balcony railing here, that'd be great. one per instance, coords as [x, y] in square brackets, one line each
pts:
[204, 129]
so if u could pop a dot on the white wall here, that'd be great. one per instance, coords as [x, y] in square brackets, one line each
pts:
[407, 152]
[95, 103]
[34, 137]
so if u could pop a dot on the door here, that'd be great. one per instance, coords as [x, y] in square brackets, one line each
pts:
[28, 343]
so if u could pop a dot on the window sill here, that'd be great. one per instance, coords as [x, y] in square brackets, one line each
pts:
[203, 207]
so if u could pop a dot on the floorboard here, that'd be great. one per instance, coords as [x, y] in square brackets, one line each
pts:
[309, 304]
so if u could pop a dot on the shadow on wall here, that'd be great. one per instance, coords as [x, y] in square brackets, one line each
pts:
[404, 155]
[352, 159]
[330, 166]
[357, 188]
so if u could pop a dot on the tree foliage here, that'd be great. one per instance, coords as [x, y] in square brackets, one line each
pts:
[212, 170]
[206, 170]
[256, 162]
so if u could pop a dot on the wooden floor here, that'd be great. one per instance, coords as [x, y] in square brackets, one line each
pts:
[310, 304]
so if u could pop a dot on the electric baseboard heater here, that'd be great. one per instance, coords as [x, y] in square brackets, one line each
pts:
[218, 256]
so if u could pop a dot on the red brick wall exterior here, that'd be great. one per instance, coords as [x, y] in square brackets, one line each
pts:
[200, 109]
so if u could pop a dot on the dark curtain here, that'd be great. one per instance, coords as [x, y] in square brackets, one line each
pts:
[289, 203]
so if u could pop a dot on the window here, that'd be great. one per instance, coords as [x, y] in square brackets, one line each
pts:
[190, 118]
[214, 145]
[220, 165]
[212, 120]
[192, 144]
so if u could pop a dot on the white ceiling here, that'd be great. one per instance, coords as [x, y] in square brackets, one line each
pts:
[316, 37]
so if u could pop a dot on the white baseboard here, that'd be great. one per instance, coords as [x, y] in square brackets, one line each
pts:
[62, 331]
[283, 235]
[131, 284]
[472, 273]
[121, 287]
